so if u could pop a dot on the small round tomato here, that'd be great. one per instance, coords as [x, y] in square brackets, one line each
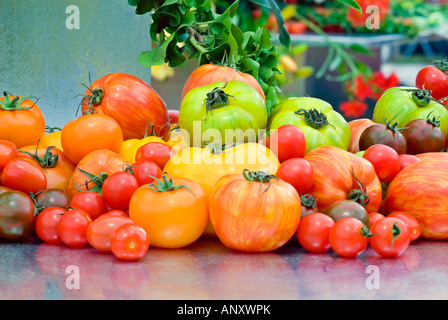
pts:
[130, 147]
[407, 160]
[145, 171]
[309, 205]
[91, 202]
[386, 134]
[297, 172]
[349, 237]
[99, 231]
[52, 198]
[24, 175]
[72, 228]
[157, 152]
[374, 217]
[313, 232]
[118, 189]
[411, 223]
[385, 160]
[434, 78]
[47, 224]
[8, 151]
[129, 242]
[390, 237]
[287, 142]
[424, 135]
[348, 208]
[114, 213]
[17, 216]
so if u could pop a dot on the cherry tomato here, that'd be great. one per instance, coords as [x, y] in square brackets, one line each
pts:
[390, 237]
[72, 228]
[407, 160]
[99, 231]
[313, 232]
[8, 151]
[386, 134]
[129, 242]
[52, 198]
[157, 152]
[435, 79]
[47, 224]
[385, 160]
[118, 189]
[349, 237]
[297, 172]
[287, 142]
[91, 202]
[145, 170]
[411, 222]
[374, 217]
[114, 213]
[24, 175]
[16, 216]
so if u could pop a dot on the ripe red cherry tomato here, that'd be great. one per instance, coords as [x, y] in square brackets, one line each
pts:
[407, 160]
[385, 160]
[129, 242]
[313, 232]
[297, 172]
[91, 202]
[349, 237]
[435, 79]
[390, 237]
[145, 170]
[118, 189]
[24, 175]
[157, 152]
[8, 151]
[411, 223]
[47, 224]
[99, 231]
[287, 142]
[374, 217]
[72, 229]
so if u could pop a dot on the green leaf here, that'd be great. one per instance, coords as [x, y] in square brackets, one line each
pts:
[284, 36]
[360, 49]
[156, 56]
[169, 2]
[351, 3]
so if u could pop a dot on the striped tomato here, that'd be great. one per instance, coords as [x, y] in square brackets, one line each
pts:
[341, 175]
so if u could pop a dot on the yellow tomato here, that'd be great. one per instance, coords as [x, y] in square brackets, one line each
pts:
[206, 168]
[176, 139]
[130, 147]
[52, 139]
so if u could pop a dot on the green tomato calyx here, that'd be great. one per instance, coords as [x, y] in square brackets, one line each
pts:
[314, 118]
[308, 201]
[217, 98]
[393, 126]
[442, 65]
[166, 184]
[359, 195]
[434, 121]
[259, 176]
[97, 180]
[47, 161]
[14, 104]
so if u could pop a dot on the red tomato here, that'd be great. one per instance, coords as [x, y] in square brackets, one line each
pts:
[129, 242]
[434, 79]
[157, 152]
[8, 151]
[99, 231]
[391, 237]
[349, 237]
[173, 116]
[91, 202]
[313, 232]
[411, 223]
[114, 213]
[287, 142]
[145, 170]
[375, 217]
[295, 27]
[424, 135]
[72, 228]
[385, 160]
[23, 174]
[407, 160]
[118, 190]
[298, 172]
[47, 224]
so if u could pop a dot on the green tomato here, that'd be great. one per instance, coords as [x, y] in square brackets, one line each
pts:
[222, 114]
[321, 125]
[405, 104]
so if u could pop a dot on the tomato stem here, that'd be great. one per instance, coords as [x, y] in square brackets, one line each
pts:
[217, 98]
[260, 176]
[442, 65]
[314, 118]
[434, 121]
[47, 161]
[98, 181]
[359, 195]
[166, 184]
[308, 201]
[396, 231]
[393, 127]
[14, 104]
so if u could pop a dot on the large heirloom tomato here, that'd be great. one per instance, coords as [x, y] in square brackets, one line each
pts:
[16, 216]
[211, 73]
[223, 113]
[421, 190]
[21, 120]
[341, 175]
[404, 104]
[321, 125]
[255, 212]
[130, 101]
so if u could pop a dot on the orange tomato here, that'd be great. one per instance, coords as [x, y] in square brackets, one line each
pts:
[89, 133]
[57, 167]
[172, 211]
[99, 164]
[21, 120]
[52, 139]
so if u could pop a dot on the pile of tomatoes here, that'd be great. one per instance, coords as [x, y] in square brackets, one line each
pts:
[128, 173]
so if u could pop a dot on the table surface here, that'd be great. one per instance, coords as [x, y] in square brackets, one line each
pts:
[207, 270]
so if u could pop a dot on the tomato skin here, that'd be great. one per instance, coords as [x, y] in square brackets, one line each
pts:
[8, 151]
[176, 219]
[383, 240]
[114, 213]
[348, 208]
[47, 224]
[382, 134]
[255, 216]
[287, 142]
[22, 127]
[91, 202]
[16, 216]
[385, 160]
[132, 103]
[209, 73]
[423, 136]
[411, 222]
[90, 133]
[407, 160]
[52, 139]
[52, 198]
[72, 228]
[357, 127]
[130, 147]
[375, 217]
[431, 78]
[129, 242]
[335, 133]
[118, 190]
[144, 171]
[299, 173]
[346, 237]
[24, 175]
[159, 153]
[173, 116]
[99, 231]
[313, 232]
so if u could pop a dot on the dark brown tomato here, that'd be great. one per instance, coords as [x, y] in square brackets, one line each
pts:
[348, 208]
[386, 134]
[424, 136]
